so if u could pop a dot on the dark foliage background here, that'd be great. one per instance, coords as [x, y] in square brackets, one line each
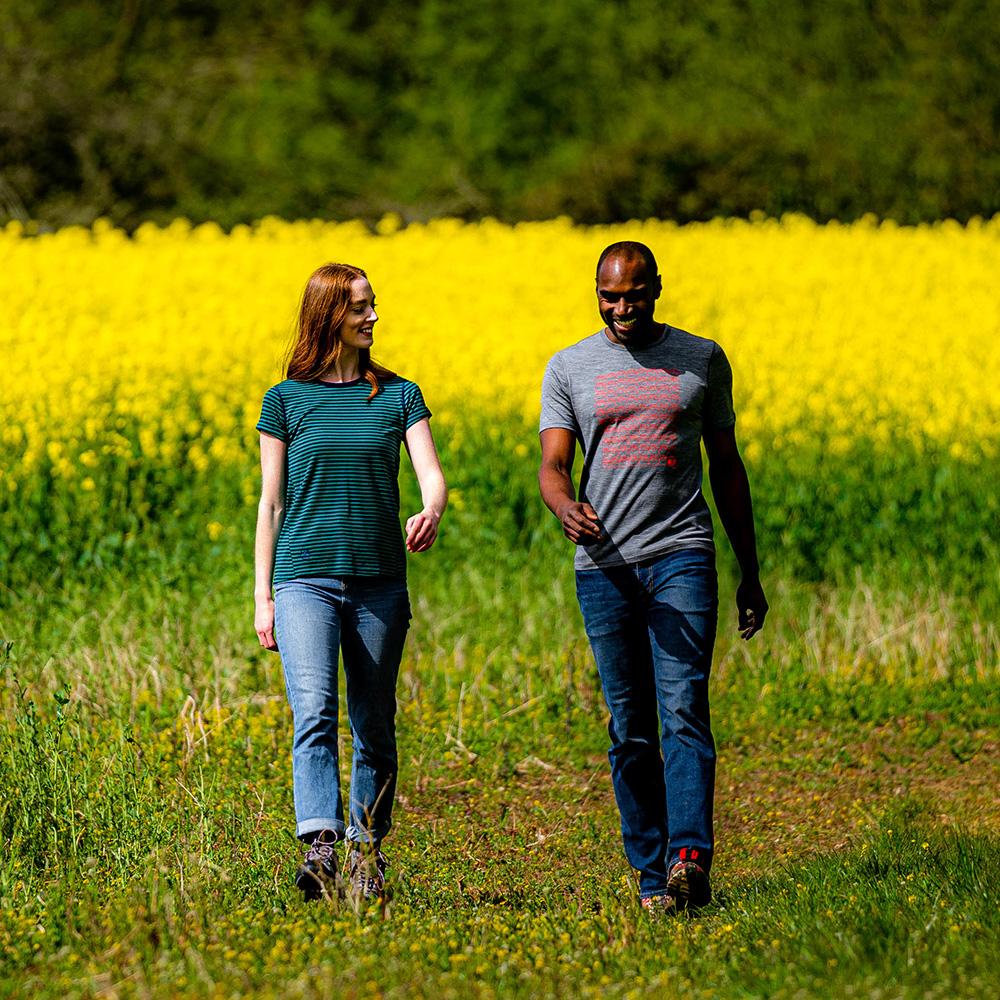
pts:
[601, 110]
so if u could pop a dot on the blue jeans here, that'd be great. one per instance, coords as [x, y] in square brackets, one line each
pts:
[652, 628]
[316, 619]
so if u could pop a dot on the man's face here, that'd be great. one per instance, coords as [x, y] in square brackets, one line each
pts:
[626, 297]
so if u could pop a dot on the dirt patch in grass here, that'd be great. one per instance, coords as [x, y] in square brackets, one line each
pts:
[807, 792]
[814, 790]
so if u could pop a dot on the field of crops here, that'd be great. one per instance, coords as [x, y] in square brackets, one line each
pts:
[145, 800]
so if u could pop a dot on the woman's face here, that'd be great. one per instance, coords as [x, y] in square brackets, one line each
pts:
[356, 330]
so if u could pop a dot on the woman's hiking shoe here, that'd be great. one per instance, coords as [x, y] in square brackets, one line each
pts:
[688, 884]
[317, 875]
[366, 872]
[659, 906]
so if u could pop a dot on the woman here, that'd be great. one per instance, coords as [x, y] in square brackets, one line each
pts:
[329, 542]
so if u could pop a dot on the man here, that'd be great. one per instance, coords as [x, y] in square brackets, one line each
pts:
[640, 396]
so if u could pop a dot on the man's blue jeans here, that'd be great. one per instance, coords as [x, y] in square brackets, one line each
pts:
[367, 619]
[652, 628]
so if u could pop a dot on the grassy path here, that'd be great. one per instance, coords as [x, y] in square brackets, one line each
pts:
[853, 861]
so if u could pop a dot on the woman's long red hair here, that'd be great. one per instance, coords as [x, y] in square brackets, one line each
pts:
[317, 345]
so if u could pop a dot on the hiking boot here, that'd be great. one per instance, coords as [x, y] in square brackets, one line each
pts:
[659, 906]
[366, 867]
[317, 875]
[688, 884]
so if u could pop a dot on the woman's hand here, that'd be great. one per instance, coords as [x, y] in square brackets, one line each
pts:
[422, 530]
[263, 622]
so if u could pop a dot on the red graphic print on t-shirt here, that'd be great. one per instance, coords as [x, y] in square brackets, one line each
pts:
[636, 410]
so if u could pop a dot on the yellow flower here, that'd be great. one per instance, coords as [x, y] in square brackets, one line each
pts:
[168, 340]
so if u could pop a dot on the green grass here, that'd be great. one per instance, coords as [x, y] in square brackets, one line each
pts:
[145, 792]
[147, 808]
[904, 512]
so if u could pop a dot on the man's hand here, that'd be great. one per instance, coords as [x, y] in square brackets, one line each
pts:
[263, 622]
[579, 522]
[751, 605]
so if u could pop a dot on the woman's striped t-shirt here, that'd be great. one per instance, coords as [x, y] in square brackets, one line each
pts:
[342, 490]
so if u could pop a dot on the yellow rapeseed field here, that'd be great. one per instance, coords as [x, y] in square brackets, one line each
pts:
[835, 331]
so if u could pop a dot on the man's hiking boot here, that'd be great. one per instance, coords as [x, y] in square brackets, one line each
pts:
[317, 875]
[366, 867]
[687, 883]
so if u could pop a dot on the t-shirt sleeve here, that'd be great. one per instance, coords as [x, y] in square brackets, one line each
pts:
[557, 404]
[414, 407]
[719, 413]
[272, 415]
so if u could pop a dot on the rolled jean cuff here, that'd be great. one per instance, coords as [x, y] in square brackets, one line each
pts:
[357, 835]
[308, 826]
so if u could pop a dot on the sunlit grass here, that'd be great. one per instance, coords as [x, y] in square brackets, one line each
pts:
[145, 793]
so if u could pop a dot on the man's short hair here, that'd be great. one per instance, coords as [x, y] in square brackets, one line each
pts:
[629, 249]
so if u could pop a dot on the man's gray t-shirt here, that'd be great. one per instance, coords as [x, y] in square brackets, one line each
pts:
[639, 415]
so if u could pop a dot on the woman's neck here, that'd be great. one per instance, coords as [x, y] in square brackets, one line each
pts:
[346, 368]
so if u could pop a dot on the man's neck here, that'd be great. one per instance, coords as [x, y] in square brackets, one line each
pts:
[638, 341]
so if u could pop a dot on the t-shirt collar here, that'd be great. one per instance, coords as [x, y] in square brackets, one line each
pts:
[339, 385]
[664, 333]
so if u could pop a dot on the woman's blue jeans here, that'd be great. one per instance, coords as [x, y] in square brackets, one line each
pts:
[316, 619]
[652, 628]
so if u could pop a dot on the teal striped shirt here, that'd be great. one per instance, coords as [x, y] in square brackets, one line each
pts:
[342, 489]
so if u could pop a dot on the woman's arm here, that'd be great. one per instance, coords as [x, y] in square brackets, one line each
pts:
[422, 528]
[270, 513]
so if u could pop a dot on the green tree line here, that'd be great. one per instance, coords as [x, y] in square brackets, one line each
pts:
[603, 110]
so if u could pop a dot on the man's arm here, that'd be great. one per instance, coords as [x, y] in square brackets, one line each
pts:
[731, 489]
[555, 481]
